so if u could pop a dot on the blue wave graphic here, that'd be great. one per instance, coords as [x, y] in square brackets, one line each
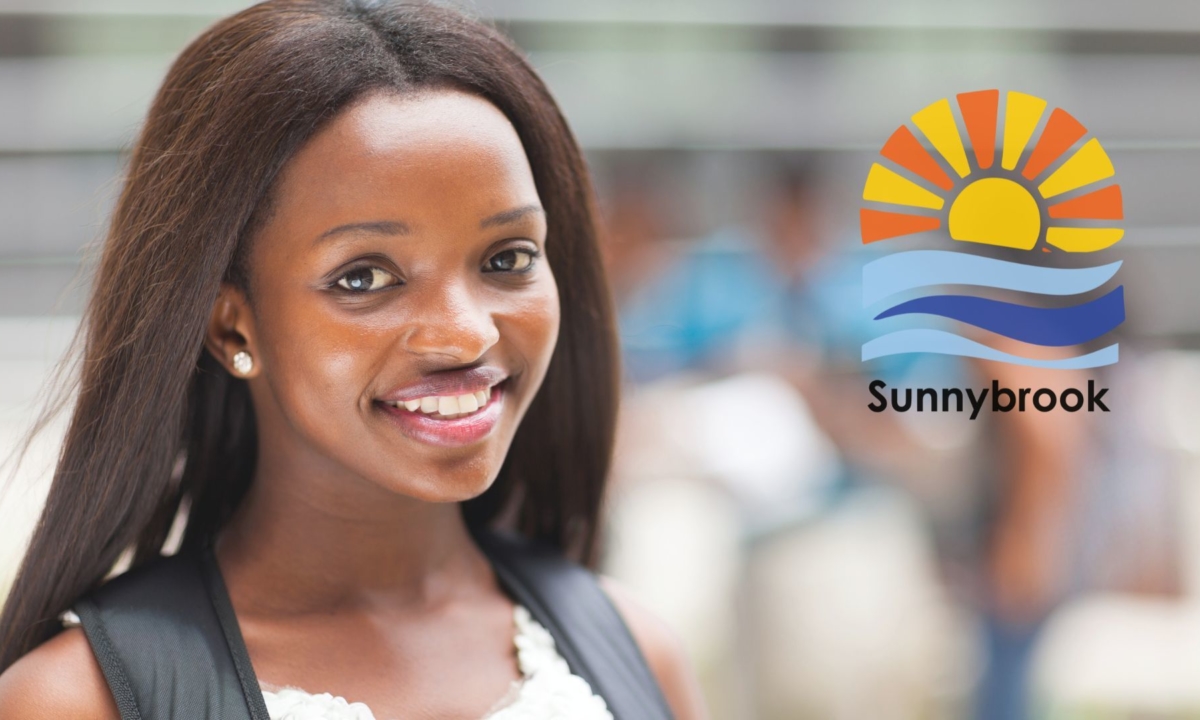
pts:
[919, 268]
[944, 343]
[1041, 326]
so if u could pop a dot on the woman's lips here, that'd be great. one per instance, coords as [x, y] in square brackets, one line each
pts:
[451, 432]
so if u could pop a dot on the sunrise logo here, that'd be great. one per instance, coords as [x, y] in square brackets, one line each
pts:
[1055, 201]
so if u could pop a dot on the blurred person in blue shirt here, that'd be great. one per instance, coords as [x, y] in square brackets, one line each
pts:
[773, 295]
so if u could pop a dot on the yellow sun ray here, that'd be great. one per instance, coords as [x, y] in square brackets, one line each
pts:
[1020, 120]
[1082, 239]
[936, 121]
[883, 185]
[1089, 164]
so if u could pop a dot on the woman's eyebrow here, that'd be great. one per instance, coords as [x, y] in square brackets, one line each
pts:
[378, 227]
[503, 218]
[395, 227]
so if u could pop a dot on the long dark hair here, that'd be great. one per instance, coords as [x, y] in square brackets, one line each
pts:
[159, 422]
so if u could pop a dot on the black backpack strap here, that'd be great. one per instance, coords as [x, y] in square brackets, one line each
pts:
[168, 642]
[588, 631]
[160, 633]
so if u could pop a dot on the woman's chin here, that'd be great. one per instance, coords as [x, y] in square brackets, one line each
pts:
[452, 491]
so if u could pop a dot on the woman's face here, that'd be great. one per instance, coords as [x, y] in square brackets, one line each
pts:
[404, 313]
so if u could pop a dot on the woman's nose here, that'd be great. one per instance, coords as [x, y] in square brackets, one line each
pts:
[450, 320]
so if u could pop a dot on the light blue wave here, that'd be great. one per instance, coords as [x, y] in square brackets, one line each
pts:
[944, 343]
[918, 268]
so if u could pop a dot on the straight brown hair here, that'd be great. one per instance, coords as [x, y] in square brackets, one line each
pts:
[158, 421]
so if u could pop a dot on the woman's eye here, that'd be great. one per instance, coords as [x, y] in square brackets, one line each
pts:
[511, 261]
[365, 279]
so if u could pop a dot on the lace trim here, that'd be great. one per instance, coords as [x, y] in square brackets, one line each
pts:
[547, 690]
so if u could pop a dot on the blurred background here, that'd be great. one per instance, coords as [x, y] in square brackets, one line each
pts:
[817, 560]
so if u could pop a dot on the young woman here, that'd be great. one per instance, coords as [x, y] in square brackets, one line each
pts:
[349, 317]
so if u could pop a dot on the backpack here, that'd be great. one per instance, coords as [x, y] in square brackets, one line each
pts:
[167, 640]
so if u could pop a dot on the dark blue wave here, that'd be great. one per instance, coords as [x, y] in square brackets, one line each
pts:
[1041, 326]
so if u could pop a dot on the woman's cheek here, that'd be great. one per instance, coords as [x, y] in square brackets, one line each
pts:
[553, 313]
[544, 326]
[538, 319]
[321, 367]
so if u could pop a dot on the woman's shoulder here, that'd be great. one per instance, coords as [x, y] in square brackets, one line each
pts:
[61, 678]
[663, 650]
[58, 679]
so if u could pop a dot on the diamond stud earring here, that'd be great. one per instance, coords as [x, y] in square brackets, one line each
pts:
[242, 362]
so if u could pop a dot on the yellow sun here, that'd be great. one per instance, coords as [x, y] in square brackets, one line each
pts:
[996, 211]
[1004, 208]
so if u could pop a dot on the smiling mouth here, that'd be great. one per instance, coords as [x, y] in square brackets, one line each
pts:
[446, 407]
[457, 429]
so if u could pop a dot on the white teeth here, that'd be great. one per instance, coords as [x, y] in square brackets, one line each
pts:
[448, 404]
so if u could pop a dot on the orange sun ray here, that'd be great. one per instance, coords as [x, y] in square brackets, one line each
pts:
[880, 225]
[979, 110]
[1062, 130]
[1102, 204]
[905, 150]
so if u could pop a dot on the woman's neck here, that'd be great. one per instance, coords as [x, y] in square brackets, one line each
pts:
[304, 544]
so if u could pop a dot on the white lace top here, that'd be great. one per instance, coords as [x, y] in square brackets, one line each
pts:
[547, 689]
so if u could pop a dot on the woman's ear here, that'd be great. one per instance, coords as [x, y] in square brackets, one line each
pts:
[231, 335]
